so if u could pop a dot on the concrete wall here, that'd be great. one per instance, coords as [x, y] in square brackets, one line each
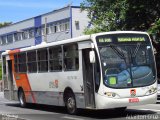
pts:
[79, 21]
[17, 26]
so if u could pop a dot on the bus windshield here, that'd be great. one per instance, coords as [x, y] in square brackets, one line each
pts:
[128, 63]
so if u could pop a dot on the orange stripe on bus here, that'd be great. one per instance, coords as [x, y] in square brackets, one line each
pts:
[21, 79]
[33, 98]
[14, 51]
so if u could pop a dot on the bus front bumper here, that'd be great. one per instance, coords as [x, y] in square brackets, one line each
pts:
[103, 102]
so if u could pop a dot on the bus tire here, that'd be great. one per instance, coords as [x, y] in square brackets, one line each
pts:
[22, 98]
[70, 102]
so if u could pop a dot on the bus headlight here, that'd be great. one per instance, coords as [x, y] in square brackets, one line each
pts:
[152, 90]
[110, 94]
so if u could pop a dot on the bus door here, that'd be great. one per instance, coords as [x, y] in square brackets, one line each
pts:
[10, 78]
[88, 79]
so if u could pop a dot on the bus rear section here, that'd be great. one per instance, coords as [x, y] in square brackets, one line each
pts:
[9, 84]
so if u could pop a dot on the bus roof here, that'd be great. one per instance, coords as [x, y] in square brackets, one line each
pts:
[76, 39]
[44, 44]
[120, 32]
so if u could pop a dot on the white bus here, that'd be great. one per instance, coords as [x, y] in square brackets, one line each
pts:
[99, 71]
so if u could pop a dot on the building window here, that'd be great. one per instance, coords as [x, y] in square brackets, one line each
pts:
[17, 36]
[66, 26]
[16, 63]
[52, 28]
[55, 58]
[77, 25]
[22, 62]
[32, 61]
[25, 35]
[47, 31]
[71, 57]
[3, 40]
[31, 33]
[62, 27]
[10, 38]
[57, 28]
[38, 32]
[42, 60]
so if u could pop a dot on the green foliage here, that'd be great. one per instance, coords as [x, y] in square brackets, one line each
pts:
[141, 14]
[5, 24]
[93, 30]
[111, 15]
[155, 28]
[105, 15]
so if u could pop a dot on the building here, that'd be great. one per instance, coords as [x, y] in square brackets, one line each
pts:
[60, 24]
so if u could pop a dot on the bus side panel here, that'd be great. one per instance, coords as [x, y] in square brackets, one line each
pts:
[46, 91]
[47, 97]
[22, 81]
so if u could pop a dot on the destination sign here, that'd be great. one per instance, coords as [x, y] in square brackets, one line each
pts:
[121, 39]
[131, 39]
[104, 40]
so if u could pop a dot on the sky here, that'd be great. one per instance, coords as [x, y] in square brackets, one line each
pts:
[18, 10]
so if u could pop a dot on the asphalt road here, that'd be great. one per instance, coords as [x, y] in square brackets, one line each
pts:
[10, 110]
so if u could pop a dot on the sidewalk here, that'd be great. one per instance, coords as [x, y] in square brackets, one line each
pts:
[3, 100]
[1, 95]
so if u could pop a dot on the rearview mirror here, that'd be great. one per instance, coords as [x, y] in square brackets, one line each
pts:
[92, 56]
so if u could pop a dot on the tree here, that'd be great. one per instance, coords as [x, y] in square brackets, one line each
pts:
[105, 15]
[109, 15]
[141, 14]
[5, 24]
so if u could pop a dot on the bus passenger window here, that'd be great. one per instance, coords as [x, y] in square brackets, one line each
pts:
[71, 57]
[42, 60]
[16, 63]
[22, 62]
[32, 61]
[55, 58]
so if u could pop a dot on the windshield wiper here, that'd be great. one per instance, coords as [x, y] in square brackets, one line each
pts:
[118, 51]
[136, 50]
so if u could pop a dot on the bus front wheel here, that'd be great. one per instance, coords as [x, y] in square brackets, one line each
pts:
[22, 98]
[70, 103]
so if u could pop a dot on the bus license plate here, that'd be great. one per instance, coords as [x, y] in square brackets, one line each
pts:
[133, 100]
